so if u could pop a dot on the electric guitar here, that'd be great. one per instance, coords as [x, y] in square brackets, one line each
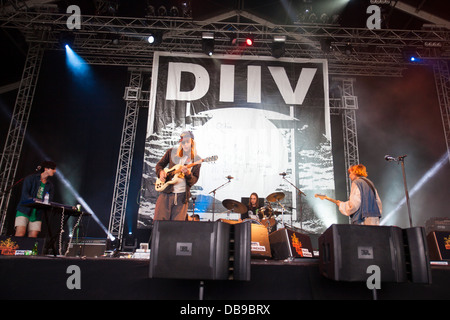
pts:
[173, 174]
[324, 197]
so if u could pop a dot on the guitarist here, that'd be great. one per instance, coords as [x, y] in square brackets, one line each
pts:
[364, 205]
[172, 203]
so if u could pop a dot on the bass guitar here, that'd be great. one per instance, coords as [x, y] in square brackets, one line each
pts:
[173, 174]
[324, 197]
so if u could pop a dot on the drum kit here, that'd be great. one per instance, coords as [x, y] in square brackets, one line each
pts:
[266, 214]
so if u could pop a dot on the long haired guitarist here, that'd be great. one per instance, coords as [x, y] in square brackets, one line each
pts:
[172, 203]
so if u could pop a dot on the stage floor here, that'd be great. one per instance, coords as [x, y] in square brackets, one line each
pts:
[52, 278]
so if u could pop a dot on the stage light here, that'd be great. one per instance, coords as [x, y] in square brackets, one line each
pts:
[66, 39]
[154, 38]
[249, 41]
[208, 43]
[410, 55]
[162, 11]
[174, 11]
[278, 46]
[75, 62]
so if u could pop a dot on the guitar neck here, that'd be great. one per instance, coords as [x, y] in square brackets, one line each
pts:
[324, 197]
[332, 200]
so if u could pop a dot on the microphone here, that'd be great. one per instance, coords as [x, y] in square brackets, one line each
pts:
[283, 174]
[390, 158]
[229, 177]
[38, 168]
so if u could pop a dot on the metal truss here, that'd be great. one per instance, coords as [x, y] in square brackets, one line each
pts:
[120, 41]
[18, 126]
[442, 80]
[132, 97]
[347, 106]
[349, 51]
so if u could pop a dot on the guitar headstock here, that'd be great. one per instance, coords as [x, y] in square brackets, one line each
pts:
[210, 159]
[321, 196]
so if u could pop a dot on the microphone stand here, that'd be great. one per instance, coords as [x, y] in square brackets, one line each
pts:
[300, 193]
[193, 205]
[402, 161]
[214, 196]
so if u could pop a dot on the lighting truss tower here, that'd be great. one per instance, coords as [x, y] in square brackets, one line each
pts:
[17, 128]
[442, 80]
[132, 97]
[348, 106]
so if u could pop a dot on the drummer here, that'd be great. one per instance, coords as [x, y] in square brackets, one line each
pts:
[252, 208]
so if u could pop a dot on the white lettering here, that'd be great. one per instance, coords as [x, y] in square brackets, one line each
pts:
[74, 21]
[74, 281]
[201, 85]
[374, 20]
[304, 82]
[373, 281]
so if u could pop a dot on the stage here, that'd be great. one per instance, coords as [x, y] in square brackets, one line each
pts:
[54, 278]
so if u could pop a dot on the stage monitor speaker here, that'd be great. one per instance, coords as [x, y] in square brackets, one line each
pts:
[439, 245]
[288, 243]
[346, 251]
[416, 255]
[240, 253]
[190, 250]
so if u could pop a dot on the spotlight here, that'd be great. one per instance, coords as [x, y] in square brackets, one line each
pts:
[174, 11]
[66, 39]
[410, 55]
[278, 46]
[208, 43]
[249, 41]
[154, 38]
[162, 11]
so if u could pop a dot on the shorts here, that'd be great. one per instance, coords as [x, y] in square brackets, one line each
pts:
[22, 221]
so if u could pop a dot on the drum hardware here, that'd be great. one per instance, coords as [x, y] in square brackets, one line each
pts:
[214, 195]
[300, 193]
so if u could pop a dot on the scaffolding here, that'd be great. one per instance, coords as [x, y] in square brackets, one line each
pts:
[120, 41]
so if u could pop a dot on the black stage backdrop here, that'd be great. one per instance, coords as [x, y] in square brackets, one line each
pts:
[80, 129]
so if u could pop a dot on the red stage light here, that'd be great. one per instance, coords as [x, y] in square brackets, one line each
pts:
[249, 41]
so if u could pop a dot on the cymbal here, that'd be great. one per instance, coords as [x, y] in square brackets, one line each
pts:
[276, 196]
[234, 205]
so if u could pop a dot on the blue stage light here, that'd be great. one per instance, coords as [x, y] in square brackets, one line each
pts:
[75, 62]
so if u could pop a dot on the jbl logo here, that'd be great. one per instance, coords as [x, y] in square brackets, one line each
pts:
[184, 249]
[365, 253]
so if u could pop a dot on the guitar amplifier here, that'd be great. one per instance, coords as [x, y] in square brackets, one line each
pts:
[437, 224]
[87, 247]
[288, 243]
[439, 245]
